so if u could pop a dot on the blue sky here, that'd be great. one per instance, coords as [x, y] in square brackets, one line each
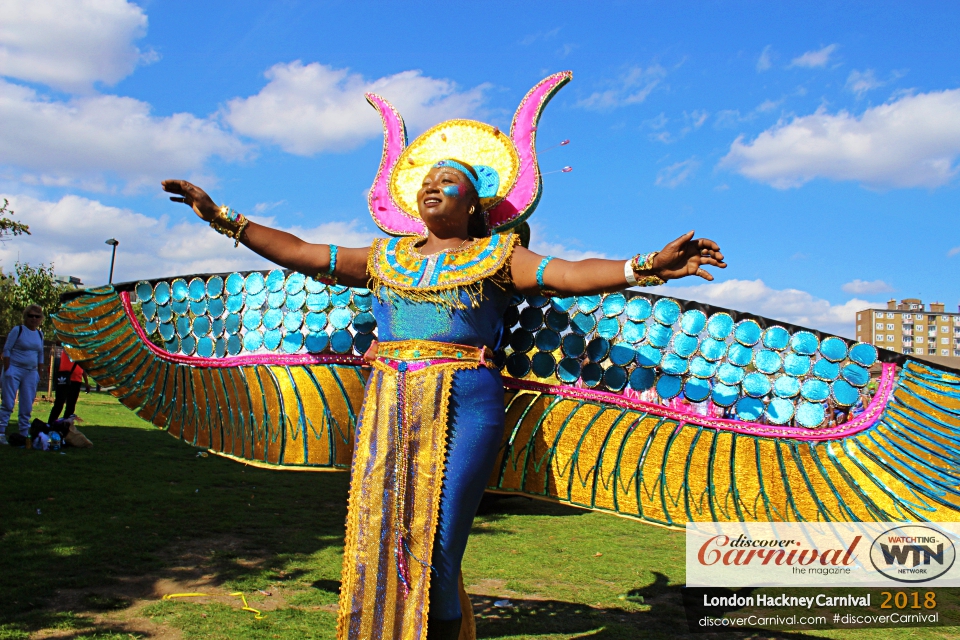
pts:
[818, 143]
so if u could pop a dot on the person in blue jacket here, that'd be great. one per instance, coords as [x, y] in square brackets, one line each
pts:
[22, 357]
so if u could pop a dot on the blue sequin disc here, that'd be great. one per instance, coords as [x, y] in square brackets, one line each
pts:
[232, 324]
[252, 340]
[659, 335]
[562, 305]
[767, 361]
[673, 364]
[810, 414]
[183, 326]
[573, 345]
[845, 394]
[363, 301]
[568, 370]
[804, 343]
[598, 349]
[362, 342]
[172, 345]
[275, 280]
[815, 390]
[729, 374]
[739, 355]
[275, 299]
[547, 340]
[312, 286]
[685, 345]
[823, 369]
[749, 409]
[833, 349]
[719, 326]
[557, 321]
[776, 338]
[648, 356]
[693, 321]
[756, 385]
[197, 290]
[215, 307]
[144, 291]
[621, 354]
[252, 319]
[779, 411]
[198, 308]
[205, 347]
[633, 332]
[293, 320]
[180, 308]
[235, 303]
[856, 375]
[255, 300]
[521, 341]
[583, 323]
[272, 318]
[149, 309]
[713, 349]
[537, 301]
[166, 330]
[317, 342]
[702, 368]
[511, 317]
[234, 345]
[613, 305]
[188, 345]
[588, 304]
[863, 354]
[161, 293]
[531, 318]
[341, 341]
[638, 309]
[254, 283]
[341, 298]
[591, 374]
[201, 326]
[272, 338]
[747, 333]
[220, 347]
[641, 379]
[669, 386]
[294, 301]
[696, 390]
[725, 395]
[608, 328]
[666, 311]
[233, 285]
[340, 318]
[292, 342]
[543, 365]
[786, 386]
[180, 290]
[796, 365]
[615, 378]
[318, 301]
[364, 322]
[216, 327]
[294, 284]
[315, 321]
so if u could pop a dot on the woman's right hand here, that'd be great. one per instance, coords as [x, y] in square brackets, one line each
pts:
[192, 196]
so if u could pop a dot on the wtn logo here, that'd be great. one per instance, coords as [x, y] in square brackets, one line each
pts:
[912, 553]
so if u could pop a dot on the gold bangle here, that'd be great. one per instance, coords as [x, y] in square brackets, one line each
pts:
[650, 281]
[229, 223]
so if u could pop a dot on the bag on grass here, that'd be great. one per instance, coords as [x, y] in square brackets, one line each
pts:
[76, 439]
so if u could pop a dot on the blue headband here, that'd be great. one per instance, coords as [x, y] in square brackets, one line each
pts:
[487, 182]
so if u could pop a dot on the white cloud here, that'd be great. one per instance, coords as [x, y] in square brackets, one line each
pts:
[818, 58]
[70, 44]
[306, 109]
[632, 87]
[89, 140]
[910, 142]
[263, 207]
[677, 173]
[70, 233]
[953, 252]
[859, 82]
[764, 62]
[867, 287]
[557, 249]
[788, 305]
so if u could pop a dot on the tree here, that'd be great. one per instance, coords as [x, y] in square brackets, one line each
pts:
[29, 285]
[9, 226]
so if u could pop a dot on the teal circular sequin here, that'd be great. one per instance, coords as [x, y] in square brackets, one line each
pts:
[856, 375]
[598, 349]
[234, 345]
[188, 345]
[562, 305]
[719, 326]
[725, 395]
[144, 291]
[666, 311]
[712, 349]
[755, 385]
[233, 286]
[649, 356]
[810, 414]
[252, 340]
[833, 349]
[341, 298]
[696, 389]
[804, 343]
[363, 301]
[216, 327]
[608, 328]
[521, 341]
[863, 354]
[318, 301]
[252, 319]
[166, 331]
[786, 386]
[232, 324]
[272, 338]
[294, 301]
[776, 338]
[638, 309]
[700, 367]
[779, 411]
[150, 326]
[341, 341]
[557, 321]
[275, 299]
[729, 374]
[183, 326]
[165, 313]
[583, 323]
[197, 290]
[642, 379]
[537, 301]
[149, 309]
[573, 345]
[747, 333]
[543, 365]
[591, 374]
[613, 305]
[293, 320]
[254, 284]
[518, 365]
[669, 386]
[215, 307]
[767, 361]
[685, 345]
[292, 342]
[749, 409]
[205, 347]
[568, 370]
[659, 335]
[275, 280]
[234, 303]
[548, 340]
[315, 321]
[220, 347]
[796, 365]
[161, 293]
[180, 308]
[256, 300]
[312, 286]
[739, 355]
[633, 332]
[179, 290]
[294, 284]
[201, 326]
[172, 345]
[511, 317]
[531, 318]
[340, 319]
[362, 342]
[825, 370]
[845, 394]
[316, 342]
[588, 304]
[198, 308]
[815, 390]
[673, 364]
[272, 318]
[365, 322]
[621, 354]
[693, 321]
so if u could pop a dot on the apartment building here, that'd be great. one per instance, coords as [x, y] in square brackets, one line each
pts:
[908, 327]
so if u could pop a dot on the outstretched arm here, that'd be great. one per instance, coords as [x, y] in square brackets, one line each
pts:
[682, 257]
[280, 247]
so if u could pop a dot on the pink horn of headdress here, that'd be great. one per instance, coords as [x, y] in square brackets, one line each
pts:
[384, 210]
[523, 198]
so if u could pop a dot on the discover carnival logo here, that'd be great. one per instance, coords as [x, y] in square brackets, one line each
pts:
[744, 551]
[912, 553]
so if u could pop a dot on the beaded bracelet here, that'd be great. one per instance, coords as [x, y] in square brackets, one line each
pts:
[642, 262]
[230, 223]
[329, 277]
[540, 269]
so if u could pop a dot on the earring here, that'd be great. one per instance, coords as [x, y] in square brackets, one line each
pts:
[471, 210]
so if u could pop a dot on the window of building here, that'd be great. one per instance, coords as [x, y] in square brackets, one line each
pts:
[879, 325]
[877, 314]
[907, 340]
[859, 328]
[889, 326]
[944, 329]
[919, 338]
[943, 340]
[889, 315]
[956, 353]
[859, 316]
[944, 352]
[919, 327]
[907, 350]
[879, 338]
[919, 352]
[931, 318]
[907, 316]
[945, 318]
[889, 338]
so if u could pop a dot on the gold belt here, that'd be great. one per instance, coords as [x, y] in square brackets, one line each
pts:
[426, 350]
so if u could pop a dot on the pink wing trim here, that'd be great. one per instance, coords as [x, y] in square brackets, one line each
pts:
[233, 361]
[864, 421]
[384, 210]
[525, 194]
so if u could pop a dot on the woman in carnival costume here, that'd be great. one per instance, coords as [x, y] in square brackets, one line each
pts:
[433, 411]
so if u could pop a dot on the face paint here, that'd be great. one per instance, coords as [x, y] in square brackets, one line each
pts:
[451, 190]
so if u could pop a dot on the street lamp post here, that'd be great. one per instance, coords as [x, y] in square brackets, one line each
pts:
[113, 242]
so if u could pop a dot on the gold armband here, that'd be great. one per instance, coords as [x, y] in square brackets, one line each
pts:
[230, 223]
[640, 266]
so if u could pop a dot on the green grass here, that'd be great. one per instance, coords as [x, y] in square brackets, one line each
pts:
[92, 539]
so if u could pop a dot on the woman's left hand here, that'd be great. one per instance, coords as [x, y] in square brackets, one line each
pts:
[686, 257]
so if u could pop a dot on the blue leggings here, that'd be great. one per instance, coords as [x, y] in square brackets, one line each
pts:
[476, 429]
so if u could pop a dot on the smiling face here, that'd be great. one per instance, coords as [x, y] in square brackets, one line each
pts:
[444, 201]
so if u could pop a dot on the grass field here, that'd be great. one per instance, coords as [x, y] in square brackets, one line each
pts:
[92, 539]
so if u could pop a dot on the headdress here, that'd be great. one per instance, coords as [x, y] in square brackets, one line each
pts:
[486, 182]
[513, 158]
